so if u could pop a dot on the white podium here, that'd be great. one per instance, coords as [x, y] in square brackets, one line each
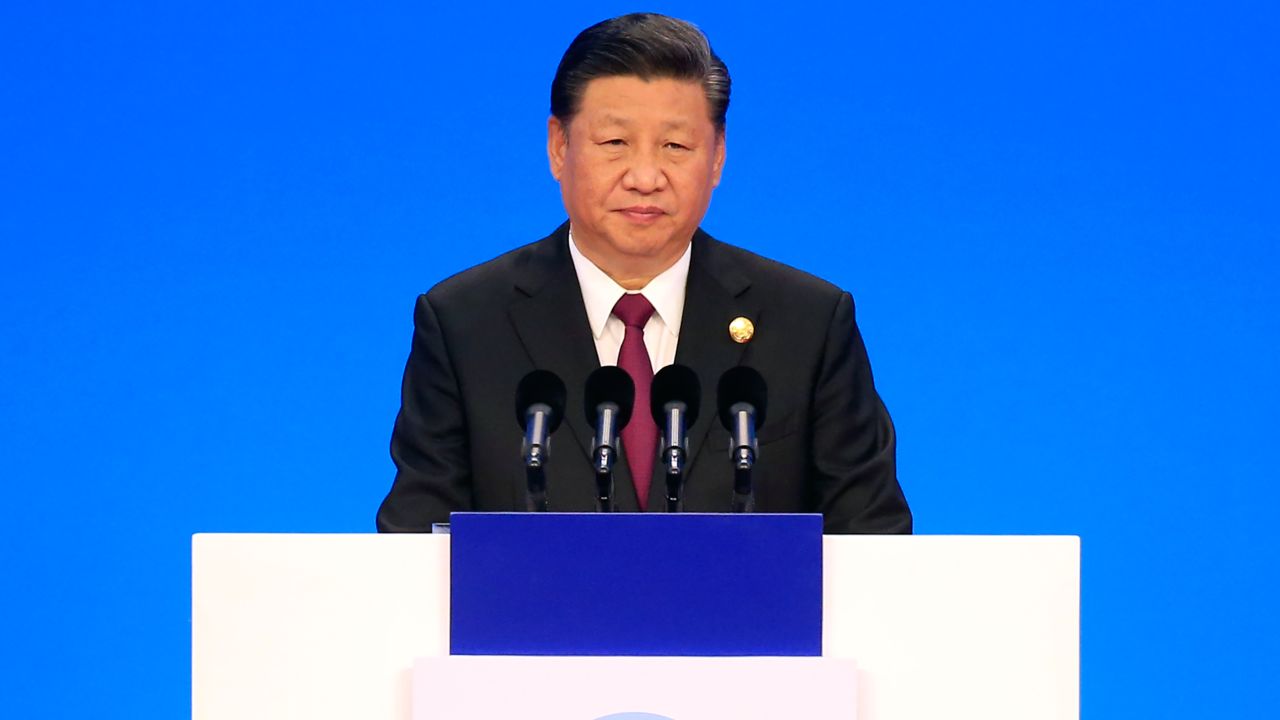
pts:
[321, 627]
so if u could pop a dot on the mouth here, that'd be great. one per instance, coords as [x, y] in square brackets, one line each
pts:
[642, 214]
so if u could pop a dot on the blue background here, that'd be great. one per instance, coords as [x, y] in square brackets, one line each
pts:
[1059, 221]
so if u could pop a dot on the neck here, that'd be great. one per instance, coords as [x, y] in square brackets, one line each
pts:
[632, 273]
[632, 283]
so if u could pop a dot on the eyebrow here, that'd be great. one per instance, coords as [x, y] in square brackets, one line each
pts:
[610, 119]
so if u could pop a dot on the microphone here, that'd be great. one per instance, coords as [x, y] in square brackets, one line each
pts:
[741, 401]
[610, 396]
[539, 410]
[674, 399]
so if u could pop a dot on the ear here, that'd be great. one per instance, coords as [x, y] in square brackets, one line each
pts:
[557, 145]
[718, 160]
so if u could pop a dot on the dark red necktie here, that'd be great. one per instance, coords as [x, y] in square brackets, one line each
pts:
[640, 436]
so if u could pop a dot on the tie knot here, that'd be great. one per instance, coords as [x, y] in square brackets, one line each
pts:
[634, 310]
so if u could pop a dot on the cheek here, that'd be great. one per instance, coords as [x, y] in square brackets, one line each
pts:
[693, 181]
[585, 191]
[593, 186]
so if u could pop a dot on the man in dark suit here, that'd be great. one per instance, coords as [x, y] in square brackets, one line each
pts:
[636, 140]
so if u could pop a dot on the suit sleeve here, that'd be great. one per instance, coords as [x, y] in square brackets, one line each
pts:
[853, 455]
[429, 441]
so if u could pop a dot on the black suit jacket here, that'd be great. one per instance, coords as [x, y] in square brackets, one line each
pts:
[827, 445]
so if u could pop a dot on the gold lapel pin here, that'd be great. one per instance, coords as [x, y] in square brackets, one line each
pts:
[741, 330]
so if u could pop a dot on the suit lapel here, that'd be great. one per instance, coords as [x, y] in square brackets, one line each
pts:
[714, 295]
[551, 321]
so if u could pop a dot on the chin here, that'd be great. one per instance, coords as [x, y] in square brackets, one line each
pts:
[644, 245]
[654, 237]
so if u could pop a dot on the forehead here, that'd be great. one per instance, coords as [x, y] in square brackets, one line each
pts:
[630, 100]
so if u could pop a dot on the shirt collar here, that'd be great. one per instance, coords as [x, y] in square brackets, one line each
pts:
[600, 292]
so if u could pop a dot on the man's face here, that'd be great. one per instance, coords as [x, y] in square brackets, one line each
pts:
[636, 166]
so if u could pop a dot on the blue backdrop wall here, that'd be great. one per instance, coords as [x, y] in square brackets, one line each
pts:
[1059, 221]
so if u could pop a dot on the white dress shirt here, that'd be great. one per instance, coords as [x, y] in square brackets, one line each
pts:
[665, 292]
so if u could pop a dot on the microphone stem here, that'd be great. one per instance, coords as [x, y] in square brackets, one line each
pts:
[675, 441]
[744, 499]
[605, 456]
[604, 490]
[536, 482]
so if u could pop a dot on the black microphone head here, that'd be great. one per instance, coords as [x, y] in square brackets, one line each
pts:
[675, 383]
[740, 384]
[610, 384]
[540, 386]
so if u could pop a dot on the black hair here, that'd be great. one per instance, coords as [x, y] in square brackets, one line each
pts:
[648, 46]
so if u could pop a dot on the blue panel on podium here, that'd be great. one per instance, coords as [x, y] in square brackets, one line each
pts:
[636, 584]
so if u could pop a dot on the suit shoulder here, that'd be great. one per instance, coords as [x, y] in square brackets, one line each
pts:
[774, 276]
[483, 278]
[494, 279]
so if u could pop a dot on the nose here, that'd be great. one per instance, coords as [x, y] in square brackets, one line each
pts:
[644, 174]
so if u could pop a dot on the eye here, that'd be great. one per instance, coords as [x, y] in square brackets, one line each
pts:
[676, 146]
[614, 142]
